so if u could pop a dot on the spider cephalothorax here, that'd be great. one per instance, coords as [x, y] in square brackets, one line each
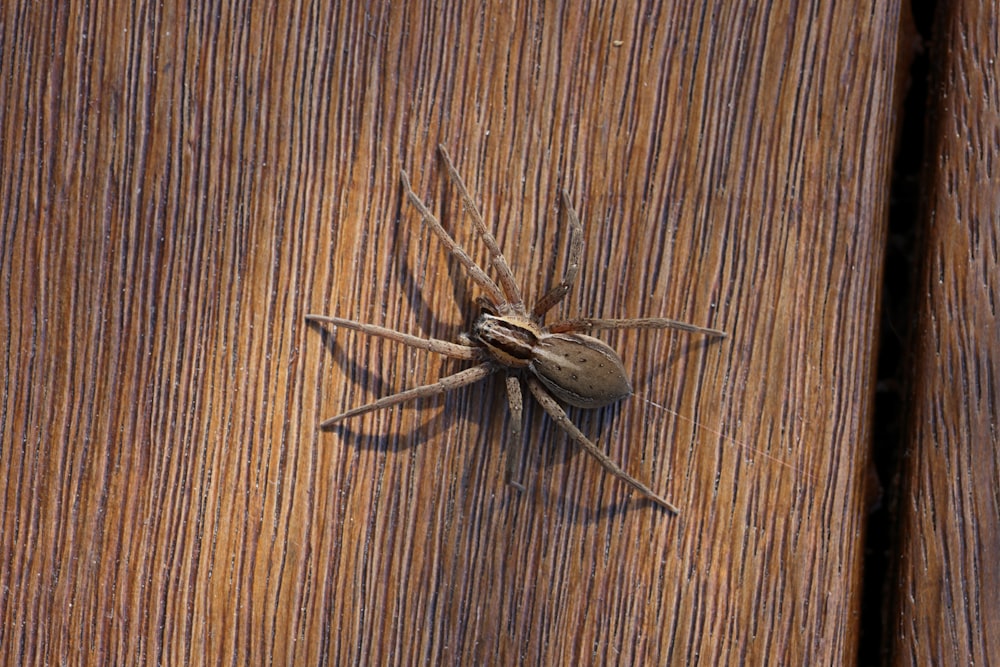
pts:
[557, 361]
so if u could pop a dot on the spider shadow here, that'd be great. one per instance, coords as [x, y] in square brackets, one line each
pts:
[555, 448]
[408, 226]
[595, 424]
[539, 431]
[462, 286]
[396, 440]
[413, 286]
[659, 369]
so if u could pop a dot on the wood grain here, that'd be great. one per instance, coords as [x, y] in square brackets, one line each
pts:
[180, 185]
[948, 584]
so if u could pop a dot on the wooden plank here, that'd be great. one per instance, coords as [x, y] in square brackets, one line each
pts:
[948, 584]
[181, 185]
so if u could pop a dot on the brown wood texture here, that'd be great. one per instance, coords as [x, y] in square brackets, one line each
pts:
[948, 585]
[181, 185]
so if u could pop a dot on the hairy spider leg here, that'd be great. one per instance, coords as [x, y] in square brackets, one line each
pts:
[475, 272]
[558, 293]
[453, 350]
[445, 384]
[555, 410]
[507, 281]
[593, 323]
[515, 403]
[448, 349]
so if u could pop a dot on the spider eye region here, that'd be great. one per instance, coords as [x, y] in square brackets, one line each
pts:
[508, 339]
[580, 370]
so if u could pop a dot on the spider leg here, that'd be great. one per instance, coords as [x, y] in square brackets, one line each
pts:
[476, 273]
[516, 404]
[460, 379]
[507, 281]
[551, 406]
[591, 323]
[557, 293]
[453, 350]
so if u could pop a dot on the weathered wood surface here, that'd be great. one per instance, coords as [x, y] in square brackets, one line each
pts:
[948, 585]
[180, 185]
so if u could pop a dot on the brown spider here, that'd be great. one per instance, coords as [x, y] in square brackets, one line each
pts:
[561, 362]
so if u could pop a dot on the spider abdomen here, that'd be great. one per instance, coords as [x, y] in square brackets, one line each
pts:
[580, 370]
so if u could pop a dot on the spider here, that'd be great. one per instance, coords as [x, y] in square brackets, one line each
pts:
[558, 362]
